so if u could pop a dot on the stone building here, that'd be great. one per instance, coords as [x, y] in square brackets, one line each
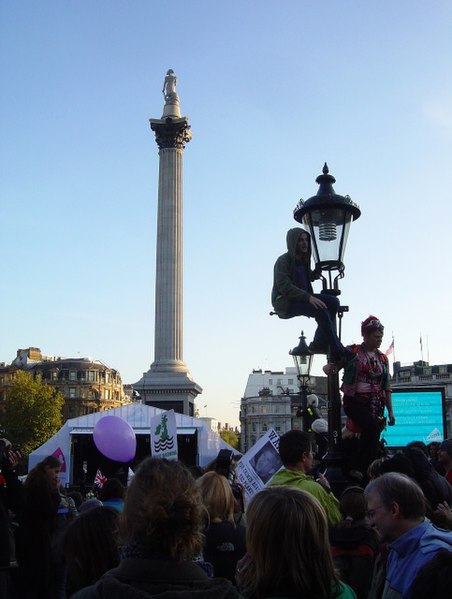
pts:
[272, 399]
[87, 385]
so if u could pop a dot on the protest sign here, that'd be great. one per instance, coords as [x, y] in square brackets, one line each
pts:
[259, 464]
[164, 435]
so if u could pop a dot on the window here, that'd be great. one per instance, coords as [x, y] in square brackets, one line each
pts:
[72, 392]
[264, 409]
[442, 369]
[254, 427]
[265, 427]
[72, 375]
[290, 381]
[107, 394]
[278, 428]
[270, 381]
[54, 375]
[91, 376]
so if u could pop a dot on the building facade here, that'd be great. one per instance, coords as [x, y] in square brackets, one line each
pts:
[272, 399]
[87, 385]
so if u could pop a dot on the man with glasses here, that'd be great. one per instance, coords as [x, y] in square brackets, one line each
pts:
[396, 507]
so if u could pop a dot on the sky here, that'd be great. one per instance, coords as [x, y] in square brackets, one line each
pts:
[272, 90]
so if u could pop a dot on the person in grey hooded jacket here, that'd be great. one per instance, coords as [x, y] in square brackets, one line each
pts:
[292, 293]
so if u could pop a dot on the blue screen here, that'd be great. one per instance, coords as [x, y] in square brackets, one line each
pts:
[419, 417]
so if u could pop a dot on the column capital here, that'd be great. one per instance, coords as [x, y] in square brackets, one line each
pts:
[171, 133]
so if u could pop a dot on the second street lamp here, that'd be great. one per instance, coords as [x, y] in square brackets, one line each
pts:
[302, 357]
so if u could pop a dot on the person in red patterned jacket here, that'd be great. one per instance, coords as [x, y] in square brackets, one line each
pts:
[367, 390]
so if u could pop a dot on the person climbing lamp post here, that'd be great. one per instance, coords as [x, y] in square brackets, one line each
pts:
[328, 217]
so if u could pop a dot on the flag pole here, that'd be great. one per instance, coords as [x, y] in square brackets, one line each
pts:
[393, 351]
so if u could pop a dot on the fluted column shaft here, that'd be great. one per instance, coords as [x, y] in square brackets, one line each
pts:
[171, 136]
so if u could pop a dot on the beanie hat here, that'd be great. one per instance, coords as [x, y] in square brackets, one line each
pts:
[312, 400]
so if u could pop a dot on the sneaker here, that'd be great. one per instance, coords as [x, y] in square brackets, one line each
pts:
[318, 348]
[343, 357]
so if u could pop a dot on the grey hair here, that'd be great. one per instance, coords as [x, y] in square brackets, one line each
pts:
[394, 487]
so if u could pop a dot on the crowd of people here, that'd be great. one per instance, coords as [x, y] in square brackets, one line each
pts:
[176, 533]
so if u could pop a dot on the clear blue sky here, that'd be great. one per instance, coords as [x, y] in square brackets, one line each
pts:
[272, 91]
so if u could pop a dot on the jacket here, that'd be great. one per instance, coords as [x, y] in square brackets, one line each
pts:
[409, 553]
[354, 549]
[223, 547]
[142, 578]
[284, 289]
[294, 478]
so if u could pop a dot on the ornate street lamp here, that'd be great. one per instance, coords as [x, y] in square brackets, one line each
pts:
[302, 357]
[328, 216]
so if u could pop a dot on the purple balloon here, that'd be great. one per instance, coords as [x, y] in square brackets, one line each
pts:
[115, 438]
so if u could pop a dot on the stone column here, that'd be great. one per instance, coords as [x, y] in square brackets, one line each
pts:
[171, 137]
[168, 383]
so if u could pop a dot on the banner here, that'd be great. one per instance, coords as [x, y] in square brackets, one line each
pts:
[164, 436]
[259, 464]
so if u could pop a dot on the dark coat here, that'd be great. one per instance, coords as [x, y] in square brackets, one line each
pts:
[11, 498]
[224, 547]
[143, 578]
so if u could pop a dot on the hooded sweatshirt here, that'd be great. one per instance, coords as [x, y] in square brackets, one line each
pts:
[291, 278]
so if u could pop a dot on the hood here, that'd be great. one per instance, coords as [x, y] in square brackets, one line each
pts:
[351, 537]
[292, 239]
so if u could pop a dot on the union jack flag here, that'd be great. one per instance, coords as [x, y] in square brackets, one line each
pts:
[99, 479]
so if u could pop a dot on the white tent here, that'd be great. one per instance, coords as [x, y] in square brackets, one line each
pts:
[139, 417]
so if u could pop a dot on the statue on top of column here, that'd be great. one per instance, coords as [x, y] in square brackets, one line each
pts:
[169, 88]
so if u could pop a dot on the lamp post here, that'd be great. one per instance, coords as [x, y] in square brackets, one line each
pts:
[302, 357]
[328, 216]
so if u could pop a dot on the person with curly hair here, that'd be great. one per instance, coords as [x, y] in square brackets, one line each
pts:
[161, 534]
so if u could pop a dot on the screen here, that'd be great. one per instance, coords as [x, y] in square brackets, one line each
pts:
[419, 417]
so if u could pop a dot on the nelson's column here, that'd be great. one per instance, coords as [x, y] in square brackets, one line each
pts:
[168, 383]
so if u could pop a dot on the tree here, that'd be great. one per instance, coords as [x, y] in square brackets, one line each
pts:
[32, 412]
[230, 437]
